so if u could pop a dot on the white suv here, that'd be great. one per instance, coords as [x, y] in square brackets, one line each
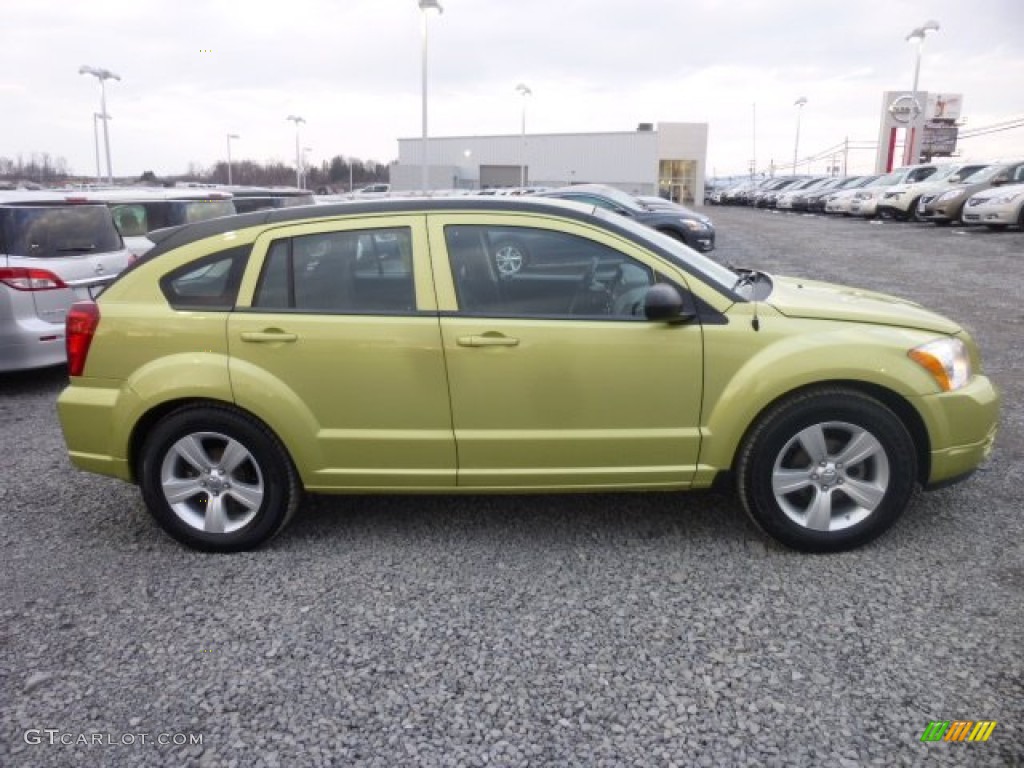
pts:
[55, 249]
[900, 200]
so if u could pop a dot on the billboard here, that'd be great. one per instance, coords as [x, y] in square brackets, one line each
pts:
[943, 106]
[939, 139]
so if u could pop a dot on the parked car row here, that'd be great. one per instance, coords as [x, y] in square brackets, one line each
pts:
[989, 194]
[58, 246]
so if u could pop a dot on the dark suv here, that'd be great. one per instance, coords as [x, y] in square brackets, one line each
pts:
[690, 228]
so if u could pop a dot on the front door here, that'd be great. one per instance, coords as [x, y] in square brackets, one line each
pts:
[556, 377]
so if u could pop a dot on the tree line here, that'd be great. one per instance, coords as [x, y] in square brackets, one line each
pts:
[334, 175]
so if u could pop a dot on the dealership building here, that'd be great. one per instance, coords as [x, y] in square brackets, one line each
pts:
[667, 159]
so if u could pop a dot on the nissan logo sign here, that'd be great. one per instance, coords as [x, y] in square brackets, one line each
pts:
[904, 109]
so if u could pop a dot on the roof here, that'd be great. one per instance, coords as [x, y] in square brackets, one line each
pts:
[174, 237]
[147, 194]
[41, 196]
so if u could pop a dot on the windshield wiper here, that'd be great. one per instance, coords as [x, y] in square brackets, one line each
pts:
[77, 249]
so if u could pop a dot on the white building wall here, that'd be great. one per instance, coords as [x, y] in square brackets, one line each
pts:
[628, 160]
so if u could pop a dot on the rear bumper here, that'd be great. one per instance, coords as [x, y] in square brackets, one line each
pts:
[29, 344]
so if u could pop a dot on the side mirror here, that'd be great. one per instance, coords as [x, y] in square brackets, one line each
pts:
[1000, 178]
[954, 179]
[664, 303]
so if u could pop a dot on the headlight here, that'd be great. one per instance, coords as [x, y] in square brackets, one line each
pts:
[1008, 198]
[692, 224]
[953, 194]
[946, 360]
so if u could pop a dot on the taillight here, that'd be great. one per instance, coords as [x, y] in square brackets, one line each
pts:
[22, 279]
[82, 319]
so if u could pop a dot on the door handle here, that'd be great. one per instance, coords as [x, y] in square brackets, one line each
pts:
[268, 336]
[487, 341]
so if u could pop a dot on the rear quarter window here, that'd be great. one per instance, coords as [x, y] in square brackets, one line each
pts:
[209, 283]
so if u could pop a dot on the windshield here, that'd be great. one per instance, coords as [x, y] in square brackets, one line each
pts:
[888, 180]
[621, 198]
[59, 230]
[983, 173]
[861, 181]
[944, 173]
[679, 254]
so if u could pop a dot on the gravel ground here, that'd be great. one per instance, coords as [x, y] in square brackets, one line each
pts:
[610, 630]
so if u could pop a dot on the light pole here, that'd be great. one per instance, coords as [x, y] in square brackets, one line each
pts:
[96, 141]
[523, 91]
[305, 165]
[102, 75]
[917, 34]
[425, 6]
[799, 104]
[298, 155]
[230, 137]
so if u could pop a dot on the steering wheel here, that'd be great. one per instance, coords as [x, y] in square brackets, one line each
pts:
[585, 286]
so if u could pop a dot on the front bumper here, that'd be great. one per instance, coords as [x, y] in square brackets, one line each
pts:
[962, 427]
[993, 215]
[864, 207]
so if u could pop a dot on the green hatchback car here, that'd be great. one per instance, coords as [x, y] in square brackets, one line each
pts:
[377, 347]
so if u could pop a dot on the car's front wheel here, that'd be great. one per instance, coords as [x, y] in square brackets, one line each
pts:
[827, 470]
[217, 480]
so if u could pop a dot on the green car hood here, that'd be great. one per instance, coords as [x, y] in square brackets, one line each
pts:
[794, 297]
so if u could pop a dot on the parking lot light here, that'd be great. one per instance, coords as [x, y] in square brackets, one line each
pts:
[916, 35]
[298, 155]
[524, 91]
[799, 104]
[102, 75]
[96, 116]
[230, 137]
[425, 7]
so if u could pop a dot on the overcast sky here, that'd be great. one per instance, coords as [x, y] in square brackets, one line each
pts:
[194, 70]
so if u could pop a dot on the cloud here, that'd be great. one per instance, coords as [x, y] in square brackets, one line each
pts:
[192, 72]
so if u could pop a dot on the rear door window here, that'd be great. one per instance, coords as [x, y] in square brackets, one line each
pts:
[355, 271]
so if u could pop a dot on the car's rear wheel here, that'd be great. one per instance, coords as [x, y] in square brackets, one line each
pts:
[217, 480]
[827, 470]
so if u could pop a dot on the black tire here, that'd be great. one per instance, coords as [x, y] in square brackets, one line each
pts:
[257, 487]
[997, 227]
[510, 256]
[776, 449]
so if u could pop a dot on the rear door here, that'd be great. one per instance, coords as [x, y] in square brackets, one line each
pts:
[336, 344]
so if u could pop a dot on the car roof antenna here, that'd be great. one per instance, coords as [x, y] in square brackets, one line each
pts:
[755, 323]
